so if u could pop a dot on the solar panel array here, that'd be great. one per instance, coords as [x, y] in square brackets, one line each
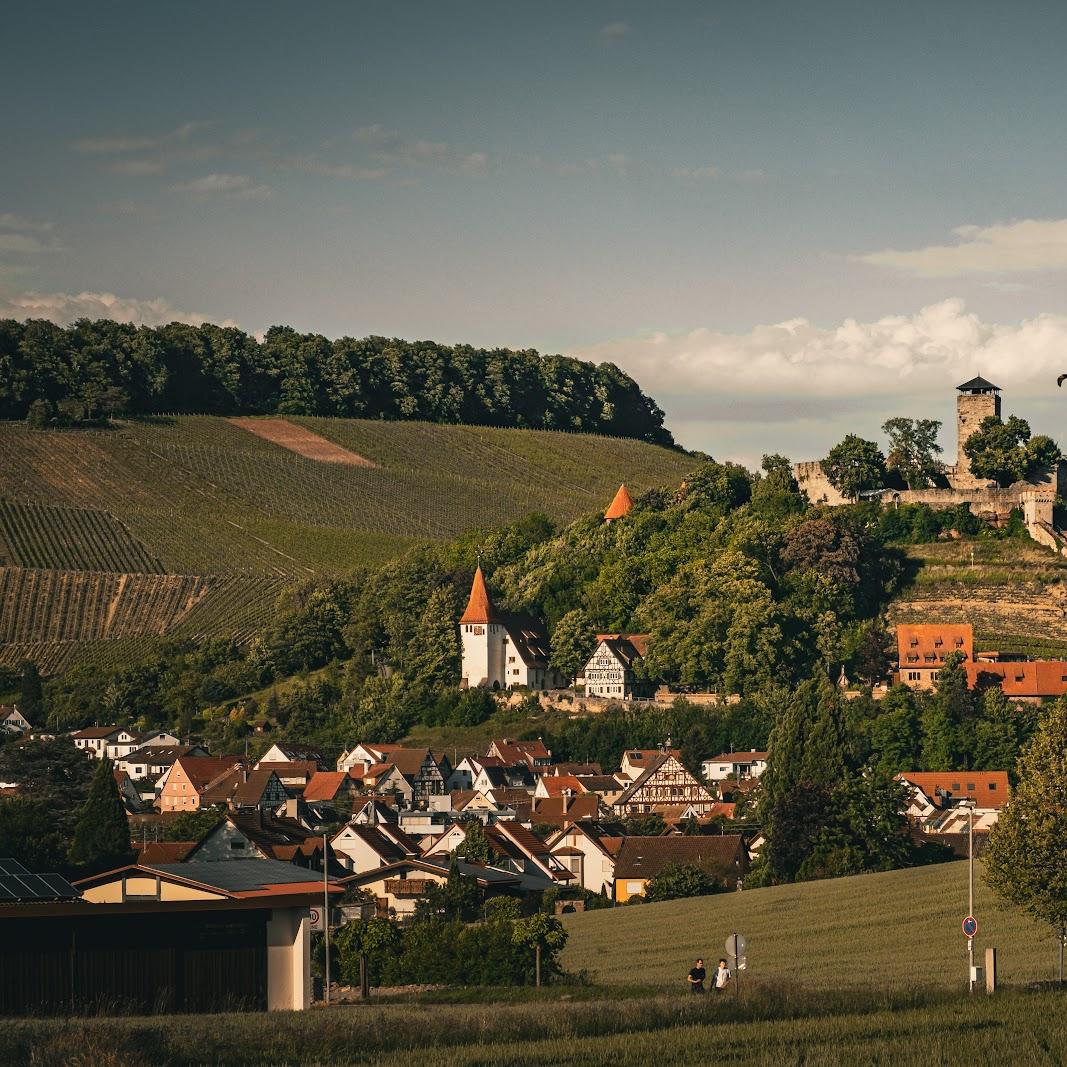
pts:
[18, 885]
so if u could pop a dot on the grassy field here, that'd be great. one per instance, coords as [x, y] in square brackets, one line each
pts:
[866, 970]
[894, 930]
[772, 1027]
[189, 526]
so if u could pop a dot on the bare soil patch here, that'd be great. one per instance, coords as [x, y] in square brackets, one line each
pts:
[301, 441]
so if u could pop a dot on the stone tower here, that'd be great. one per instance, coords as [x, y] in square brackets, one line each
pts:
[978, 399]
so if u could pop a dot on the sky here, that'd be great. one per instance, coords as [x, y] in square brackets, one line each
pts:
[787, 221]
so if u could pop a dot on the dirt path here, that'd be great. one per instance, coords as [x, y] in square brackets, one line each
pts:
[303, 442]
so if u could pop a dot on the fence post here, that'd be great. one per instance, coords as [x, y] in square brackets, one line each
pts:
[990, 970]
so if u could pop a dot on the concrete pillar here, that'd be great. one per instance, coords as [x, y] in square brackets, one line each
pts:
[288, 960]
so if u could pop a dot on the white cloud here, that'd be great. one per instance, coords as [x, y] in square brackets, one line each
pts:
[796, 387]
[239, 186]
[65, 308]
[390, 149]
[116, 145]
[939, 346]
[1028, 245]
[614, 30]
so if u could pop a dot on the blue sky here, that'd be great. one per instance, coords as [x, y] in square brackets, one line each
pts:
[786, 220]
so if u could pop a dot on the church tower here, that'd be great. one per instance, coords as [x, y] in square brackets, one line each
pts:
[977, 400]
[483, 635]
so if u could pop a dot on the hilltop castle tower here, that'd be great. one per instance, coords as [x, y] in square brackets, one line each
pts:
[977, 400]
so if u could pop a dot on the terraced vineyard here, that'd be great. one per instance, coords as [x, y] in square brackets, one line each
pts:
[191, 525]
[1013, 592]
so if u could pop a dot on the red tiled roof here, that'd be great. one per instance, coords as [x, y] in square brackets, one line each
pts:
[627, 647]
[620, 504]
[165, 851]
[927, 644]
[989, 789]
[93, 733]
[1036, 678]
[737, 757]
[645, 857]
[325, 785]
[202, 770]
[479, 607]
[558, 785]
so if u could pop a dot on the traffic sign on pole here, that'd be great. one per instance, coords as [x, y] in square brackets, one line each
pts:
[735, 946]
[970, 926]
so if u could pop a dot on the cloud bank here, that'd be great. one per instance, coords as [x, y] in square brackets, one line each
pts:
[65, 308]
[797, 387]
[1029, 245]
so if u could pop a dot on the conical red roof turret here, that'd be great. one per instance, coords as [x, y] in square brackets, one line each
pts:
[479, 608]
[621, 505]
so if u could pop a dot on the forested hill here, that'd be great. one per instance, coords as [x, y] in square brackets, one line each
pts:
[91, 369]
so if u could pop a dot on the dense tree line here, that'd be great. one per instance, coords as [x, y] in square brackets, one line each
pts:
[93, 369]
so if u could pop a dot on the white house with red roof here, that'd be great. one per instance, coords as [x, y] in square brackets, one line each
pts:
[738, 765]
[502, 651]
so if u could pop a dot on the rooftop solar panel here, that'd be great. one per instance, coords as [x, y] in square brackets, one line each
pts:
[18, 884]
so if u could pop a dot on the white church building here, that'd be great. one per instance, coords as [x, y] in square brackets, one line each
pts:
[502, 651]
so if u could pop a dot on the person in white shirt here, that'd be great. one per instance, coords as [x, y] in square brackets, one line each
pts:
[721, 977]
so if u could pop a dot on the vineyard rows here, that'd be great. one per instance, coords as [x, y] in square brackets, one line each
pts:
[53, 657]
[41, 535]
[209, 498]
[48, 615]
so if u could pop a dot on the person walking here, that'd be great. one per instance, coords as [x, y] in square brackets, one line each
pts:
[721, 978]
[696, 977]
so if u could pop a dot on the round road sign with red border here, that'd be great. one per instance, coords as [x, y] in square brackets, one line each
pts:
[970, 926]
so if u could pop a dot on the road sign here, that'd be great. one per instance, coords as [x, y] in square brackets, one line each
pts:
[970, 926]
[316, 920]
[735, 945]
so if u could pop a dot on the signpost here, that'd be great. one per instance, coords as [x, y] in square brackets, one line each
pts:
[970, 926]
[735, 949]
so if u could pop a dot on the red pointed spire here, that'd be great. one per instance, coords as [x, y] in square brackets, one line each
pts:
[621, 505]
[479, 608]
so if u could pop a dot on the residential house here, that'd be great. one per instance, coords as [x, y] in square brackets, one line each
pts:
[533, 753]
[636, 761]
[664, 783]
[129, 794]
[923, 647]
[736, 765]
[610, 673]
[565, 811]
[522, 852]
[398, 887]
[640, 859]
[606, 786]
[93, 740]
[365, 753]
[126, 742]
[284, 752]
[370, 811]
[12, 720]
[386, 779]
[588, 849]
[1030, 681]
[258, 835]
[935, 796]
[151, 762]
[241, 788]
[329, 786]
[558, 785]
[502, 651]
[293, 774]
[183, 785]
[364, 848]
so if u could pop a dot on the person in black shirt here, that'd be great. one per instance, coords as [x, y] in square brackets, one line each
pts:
[696, 977]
